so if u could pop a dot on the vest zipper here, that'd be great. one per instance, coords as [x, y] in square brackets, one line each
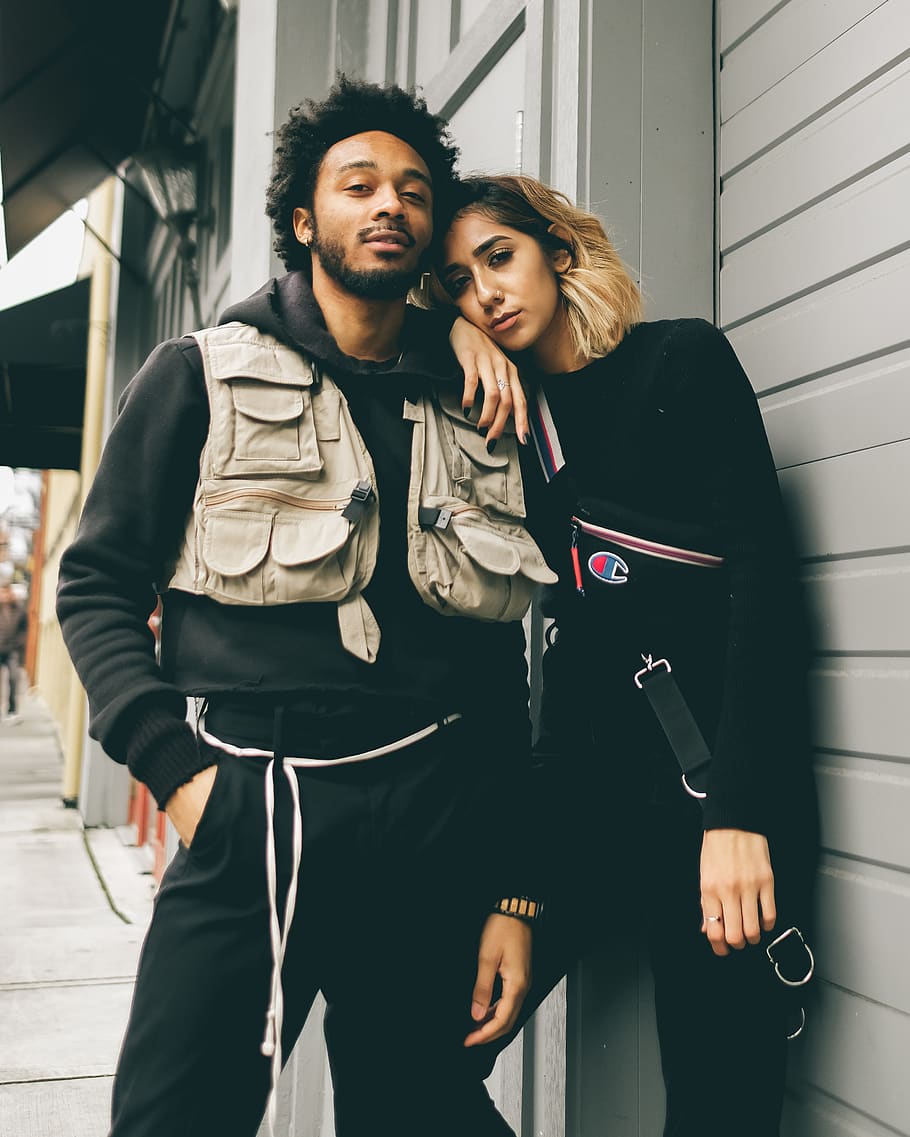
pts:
[330, 504]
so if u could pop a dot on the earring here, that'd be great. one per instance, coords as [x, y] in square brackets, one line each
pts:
[307, 238]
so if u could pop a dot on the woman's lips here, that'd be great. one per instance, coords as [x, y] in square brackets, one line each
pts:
[505, 322]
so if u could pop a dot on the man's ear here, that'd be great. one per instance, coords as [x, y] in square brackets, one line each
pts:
[303, 227]
[563, 259]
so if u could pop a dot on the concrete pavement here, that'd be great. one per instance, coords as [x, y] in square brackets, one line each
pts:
[74, 905]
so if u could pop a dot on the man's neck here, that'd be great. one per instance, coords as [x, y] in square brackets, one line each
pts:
[363, 329]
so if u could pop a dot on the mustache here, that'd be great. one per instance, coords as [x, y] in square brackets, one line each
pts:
[365, 234]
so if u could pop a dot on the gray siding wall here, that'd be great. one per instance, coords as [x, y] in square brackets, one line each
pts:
[814, 236]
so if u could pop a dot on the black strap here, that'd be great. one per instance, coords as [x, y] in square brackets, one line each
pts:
[682, 731]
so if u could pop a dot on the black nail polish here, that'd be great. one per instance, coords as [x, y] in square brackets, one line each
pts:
[482, 431]
[491, 445]
[467, 411]
[525, 439]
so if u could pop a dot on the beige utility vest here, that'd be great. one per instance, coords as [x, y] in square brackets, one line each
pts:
[286, 508]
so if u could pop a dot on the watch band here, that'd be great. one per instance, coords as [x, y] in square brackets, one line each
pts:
[521, 907]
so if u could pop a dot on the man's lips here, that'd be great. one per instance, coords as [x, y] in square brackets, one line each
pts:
[505, 321]
[389, 239]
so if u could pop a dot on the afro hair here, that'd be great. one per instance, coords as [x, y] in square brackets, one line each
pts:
[352, 106]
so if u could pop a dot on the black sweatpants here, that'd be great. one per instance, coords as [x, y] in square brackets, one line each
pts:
[625, 847]
[399, 861]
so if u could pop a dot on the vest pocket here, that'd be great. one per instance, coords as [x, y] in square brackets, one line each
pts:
[280, 558]
[474, 566]
[482, 476]
[270, 430]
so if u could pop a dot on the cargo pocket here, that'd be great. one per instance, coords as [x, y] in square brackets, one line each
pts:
[307, 556]
[476, 566]
[482, 476]
[272, 431]
[234, 547]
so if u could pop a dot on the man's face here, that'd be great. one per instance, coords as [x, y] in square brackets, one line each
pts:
[372, 216]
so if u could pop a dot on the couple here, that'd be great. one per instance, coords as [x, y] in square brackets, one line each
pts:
[336, 526]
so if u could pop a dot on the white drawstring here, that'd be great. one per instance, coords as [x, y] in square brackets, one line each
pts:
[274, 1018]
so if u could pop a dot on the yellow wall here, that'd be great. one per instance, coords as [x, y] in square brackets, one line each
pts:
[56, 678]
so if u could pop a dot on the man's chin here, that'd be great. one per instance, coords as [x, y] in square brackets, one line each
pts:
[380, 283]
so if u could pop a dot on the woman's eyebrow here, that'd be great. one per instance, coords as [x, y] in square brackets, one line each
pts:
[479, 251]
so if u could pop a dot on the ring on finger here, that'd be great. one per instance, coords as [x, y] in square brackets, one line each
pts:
[502, 384]
[715, 919]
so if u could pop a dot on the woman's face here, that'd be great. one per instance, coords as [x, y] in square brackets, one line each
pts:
[504, 282]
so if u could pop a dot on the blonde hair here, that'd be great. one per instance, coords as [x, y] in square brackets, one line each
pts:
[601, 299]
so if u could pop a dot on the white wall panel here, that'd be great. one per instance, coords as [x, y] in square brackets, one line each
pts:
[865, 129]
[854, 503]
[863, 706]
[855, 226]
[864, 928]
[863, 315]
[865, 804]
[876, 1040]
[861, 604]
[853, 409]
[866, 49]
[793, 34]
[737, 16]
[809, 1113]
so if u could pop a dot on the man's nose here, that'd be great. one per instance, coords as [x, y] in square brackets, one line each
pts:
[388, 204]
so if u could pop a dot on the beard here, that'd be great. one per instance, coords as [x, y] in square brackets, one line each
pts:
[391, 283]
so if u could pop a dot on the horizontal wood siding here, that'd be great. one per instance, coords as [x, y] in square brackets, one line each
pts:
[814, 252]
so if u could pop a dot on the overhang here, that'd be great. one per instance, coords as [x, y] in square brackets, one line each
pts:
[43, 346]
[76, 83]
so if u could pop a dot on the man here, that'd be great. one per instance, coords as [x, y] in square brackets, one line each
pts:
[354, 762]
[13, 626]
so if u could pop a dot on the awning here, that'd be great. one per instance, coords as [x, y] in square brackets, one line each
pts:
[43, 345]
[76, 86]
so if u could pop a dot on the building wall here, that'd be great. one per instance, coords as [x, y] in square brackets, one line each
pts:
[814, 230]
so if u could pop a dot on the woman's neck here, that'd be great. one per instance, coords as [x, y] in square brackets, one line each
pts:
[555, 353]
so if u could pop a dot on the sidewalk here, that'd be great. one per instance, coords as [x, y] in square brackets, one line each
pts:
[74, 905]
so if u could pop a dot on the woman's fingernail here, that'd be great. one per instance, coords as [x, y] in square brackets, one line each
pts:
[478, 1010]
[482, 431]
[467, 412]
[525, 438]
[491, 445]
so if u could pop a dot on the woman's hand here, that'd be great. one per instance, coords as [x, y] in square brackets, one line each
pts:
[483, 362]
[505, 950]
[737, 884]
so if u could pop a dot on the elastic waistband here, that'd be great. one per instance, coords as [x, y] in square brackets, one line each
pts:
[324, 734]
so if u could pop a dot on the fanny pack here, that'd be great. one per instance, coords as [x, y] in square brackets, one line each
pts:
[658, 588]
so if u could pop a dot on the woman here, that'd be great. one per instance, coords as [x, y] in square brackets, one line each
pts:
[656, 500]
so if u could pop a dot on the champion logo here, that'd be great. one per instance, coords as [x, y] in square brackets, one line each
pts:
[608, 567]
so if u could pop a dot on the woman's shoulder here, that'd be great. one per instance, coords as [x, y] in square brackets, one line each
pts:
[688, 355]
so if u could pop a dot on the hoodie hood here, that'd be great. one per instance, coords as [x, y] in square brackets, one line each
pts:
[285, 308]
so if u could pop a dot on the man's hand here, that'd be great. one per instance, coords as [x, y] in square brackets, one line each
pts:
[483, 362]
[185, 805]
[737, 884]
[505, 950]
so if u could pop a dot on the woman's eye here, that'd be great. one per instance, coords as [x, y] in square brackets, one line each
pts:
[499, 257]
[456, 285]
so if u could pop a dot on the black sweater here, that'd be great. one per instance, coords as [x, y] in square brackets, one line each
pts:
[255, 657]
[667, 426]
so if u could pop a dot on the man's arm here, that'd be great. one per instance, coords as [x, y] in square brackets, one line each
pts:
[130, 530]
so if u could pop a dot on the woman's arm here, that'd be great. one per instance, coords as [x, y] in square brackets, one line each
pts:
[483, 363]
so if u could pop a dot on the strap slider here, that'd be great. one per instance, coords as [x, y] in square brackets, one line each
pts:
[429, 518]
[649, 667]
[361, 496]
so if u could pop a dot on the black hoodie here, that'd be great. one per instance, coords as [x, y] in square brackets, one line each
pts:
[254, 657]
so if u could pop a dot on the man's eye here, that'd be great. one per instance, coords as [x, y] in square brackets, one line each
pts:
[413, 195]
[358, 186]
